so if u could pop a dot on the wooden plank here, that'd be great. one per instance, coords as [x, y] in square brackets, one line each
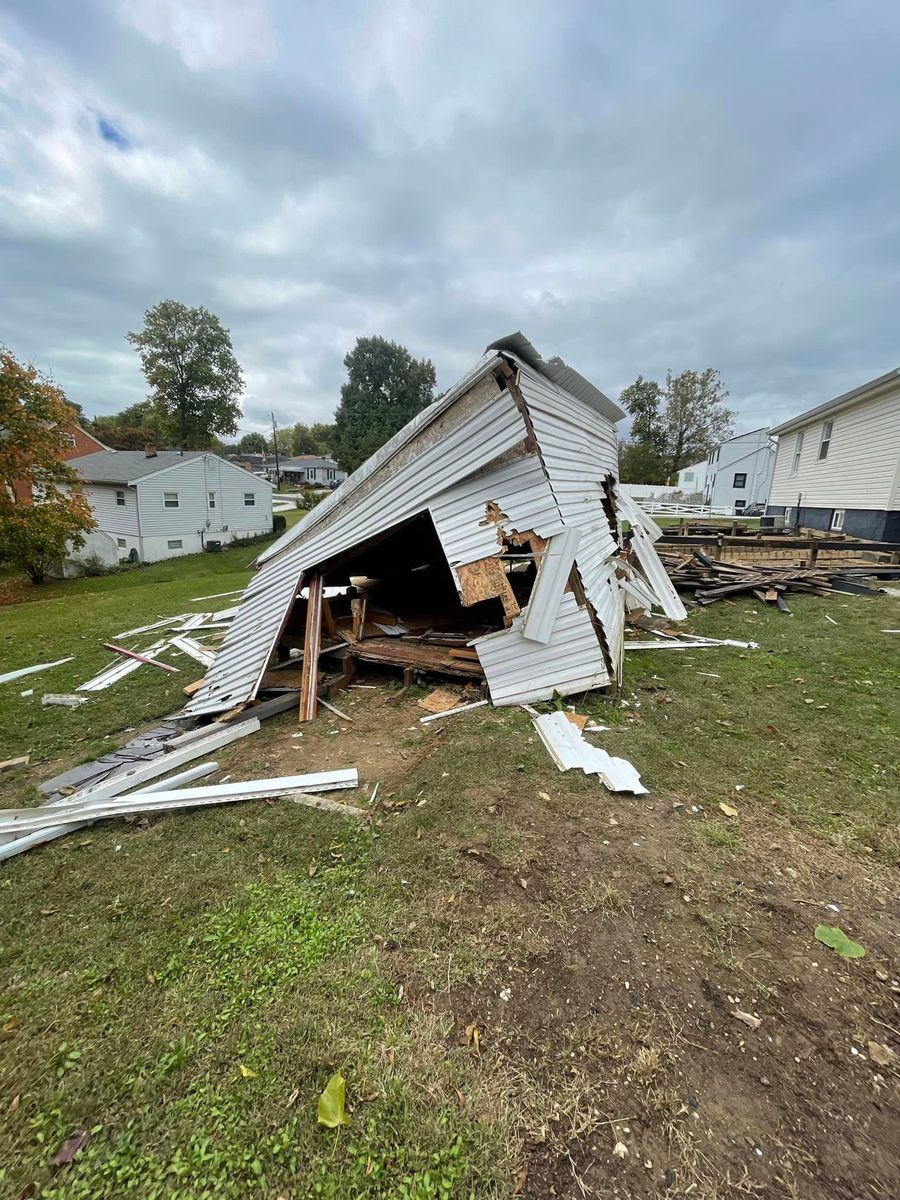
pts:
[22, 761]
[311, 643]
[328, 619]
[141, 658]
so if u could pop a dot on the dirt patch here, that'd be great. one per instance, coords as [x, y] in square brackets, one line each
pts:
[633, 1075]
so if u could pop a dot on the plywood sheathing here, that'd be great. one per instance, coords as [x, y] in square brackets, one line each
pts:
[485, 579]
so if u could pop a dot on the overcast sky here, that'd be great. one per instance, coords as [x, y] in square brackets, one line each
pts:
[636, 186]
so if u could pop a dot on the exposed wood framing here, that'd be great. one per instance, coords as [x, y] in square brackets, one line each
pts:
[358, 609]
[311, 644]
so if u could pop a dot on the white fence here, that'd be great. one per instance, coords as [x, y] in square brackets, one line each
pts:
[675, 508]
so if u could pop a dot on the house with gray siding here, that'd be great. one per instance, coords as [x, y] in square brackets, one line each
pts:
[739, 471]
[838, 465]
[164, 504]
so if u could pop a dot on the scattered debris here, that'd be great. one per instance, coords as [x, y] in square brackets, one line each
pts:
[337, 712]
[835, 939]
[713, 579]
[748, 1018]
[451, 712]
[439, 701]
[63, 698]
[141, 658]
[568, 750]
[728, 809]
[22, 761]
[10, 675]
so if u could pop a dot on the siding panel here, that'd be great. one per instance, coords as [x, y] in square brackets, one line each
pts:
[861, 470]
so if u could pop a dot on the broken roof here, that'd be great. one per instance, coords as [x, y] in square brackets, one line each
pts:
[513, 438]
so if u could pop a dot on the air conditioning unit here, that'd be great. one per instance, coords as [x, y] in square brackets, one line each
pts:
[772, 523]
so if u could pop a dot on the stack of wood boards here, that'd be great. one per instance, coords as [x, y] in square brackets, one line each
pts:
[713, 579]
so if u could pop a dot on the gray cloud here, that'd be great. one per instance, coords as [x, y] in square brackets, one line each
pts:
[635, 186]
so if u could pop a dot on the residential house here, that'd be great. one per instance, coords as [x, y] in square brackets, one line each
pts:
[78, 442]
[838, 465]
[164, 504]
[309, 469]
[692, 480]
[739, 471]
[494, 512]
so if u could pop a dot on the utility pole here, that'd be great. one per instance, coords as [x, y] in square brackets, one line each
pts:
[275, 444]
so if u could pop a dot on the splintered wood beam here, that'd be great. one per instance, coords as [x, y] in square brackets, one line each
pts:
[358, 609]
[311, 643]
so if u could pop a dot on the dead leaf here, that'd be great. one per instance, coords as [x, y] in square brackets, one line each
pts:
[473, 1038]
[292, 1098]
[246, 1073]
[519, 1181]
[620, 1150]
[70, 1147]
[10, 1024]
[773, 729]
[728, 809]
[880, 1054]
[543, 796]
[14, 1103]
[748, 1018]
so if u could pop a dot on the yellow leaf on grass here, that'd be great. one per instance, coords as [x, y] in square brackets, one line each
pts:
[246, 1072]
[728, 809]
[331, 1103]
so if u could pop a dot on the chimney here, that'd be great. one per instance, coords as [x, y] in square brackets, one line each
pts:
[149, 451]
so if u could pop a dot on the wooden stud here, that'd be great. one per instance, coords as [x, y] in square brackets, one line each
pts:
[311, 645]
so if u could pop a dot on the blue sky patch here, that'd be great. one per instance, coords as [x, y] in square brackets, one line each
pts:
[110, 134]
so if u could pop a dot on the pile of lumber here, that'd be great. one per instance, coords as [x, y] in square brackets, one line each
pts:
[712, 579]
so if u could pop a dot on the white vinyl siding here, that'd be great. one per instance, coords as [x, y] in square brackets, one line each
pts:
[862, 469]
[195, 480]
[112, 517]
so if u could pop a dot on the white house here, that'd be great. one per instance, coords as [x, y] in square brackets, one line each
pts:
[838, 465]
[692, 479]
[163, 504]
[739, 471]
[308, 468]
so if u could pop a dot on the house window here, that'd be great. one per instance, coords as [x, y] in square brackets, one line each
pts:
[739, 505]
[69, 439]
[212, 499]
[798, 450]
[175, 544]
[121, 543]
[826, 440]
[170, 500]
[740, 479]
[689, 477]
[120, 499]
[837, 519]
[788, 516]
[249, 500]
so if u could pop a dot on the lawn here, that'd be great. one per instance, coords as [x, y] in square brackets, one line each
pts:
[75, 617]
[529, 984]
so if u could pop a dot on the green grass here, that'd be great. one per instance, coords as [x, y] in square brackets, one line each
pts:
[74, 617]
[142, 970]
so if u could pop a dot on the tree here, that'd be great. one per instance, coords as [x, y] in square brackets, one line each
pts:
[673, 426]
[252, 443]
[131, 429]
[309, 439]
[696, 417]
[195, 379]
[42, 510]
[385, 388]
